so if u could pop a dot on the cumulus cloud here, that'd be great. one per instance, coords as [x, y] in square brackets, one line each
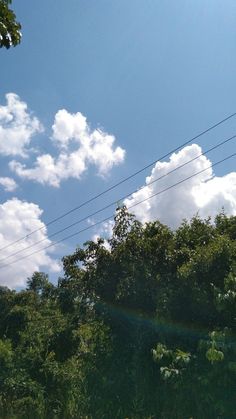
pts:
[17, 126]
[8, 184]
[17, 219]
[78, 147]
[68, 126]
[203, 194]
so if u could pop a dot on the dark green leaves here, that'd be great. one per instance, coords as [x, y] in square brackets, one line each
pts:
[140, 326]
[10, 34]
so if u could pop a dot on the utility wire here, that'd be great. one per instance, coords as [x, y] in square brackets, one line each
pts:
[121, 199]
[93, 198]
[111, 215]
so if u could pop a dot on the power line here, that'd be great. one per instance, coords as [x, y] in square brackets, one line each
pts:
[111, 215]
[88, 201]
[121, 199]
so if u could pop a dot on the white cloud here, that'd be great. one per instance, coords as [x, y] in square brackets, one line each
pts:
[51, 171]
[17, 126]
[17, 219]
[68, 126]
[8, 183]
[79, 147]
[202, 194]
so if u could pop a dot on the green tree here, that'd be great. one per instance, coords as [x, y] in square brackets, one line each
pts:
[140, 327]
[169, 294]
[10, 34]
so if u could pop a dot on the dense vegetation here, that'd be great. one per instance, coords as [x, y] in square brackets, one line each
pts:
[142, 329]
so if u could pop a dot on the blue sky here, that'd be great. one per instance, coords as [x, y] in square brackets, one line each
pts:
[151, 73]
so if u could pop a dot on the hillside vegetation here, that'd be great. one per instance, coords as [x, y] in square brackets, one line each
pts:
[141, 328]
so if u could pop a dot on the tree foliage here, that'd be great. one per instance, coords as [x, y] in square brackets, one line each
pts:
[10, 34]
[140, 327]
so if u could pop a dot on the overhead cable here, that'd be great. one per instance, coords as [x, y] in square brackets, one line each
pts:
[93, 198]
[111, 215]
[120, 199]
